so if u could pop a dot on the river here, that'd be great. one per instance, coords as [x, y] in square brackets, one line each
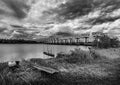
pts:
[10, 52]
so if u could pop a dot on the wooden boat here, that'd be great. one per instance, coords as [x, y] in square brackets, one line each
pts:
[49, 54]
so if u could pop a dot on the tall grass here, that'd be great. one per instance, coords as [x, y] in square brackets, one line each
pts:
[80, 56]
[85, 68]
[77, 68]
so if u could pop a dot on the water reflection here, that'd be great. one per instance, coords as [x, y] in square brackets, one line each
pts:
[10, 52]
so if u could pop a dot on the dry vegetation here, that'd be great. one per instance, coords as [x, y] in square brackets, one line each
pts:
[77, 68]
[85, 68]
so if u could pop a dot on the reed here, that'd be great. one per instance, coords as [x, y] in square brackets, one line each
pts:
[77, 68]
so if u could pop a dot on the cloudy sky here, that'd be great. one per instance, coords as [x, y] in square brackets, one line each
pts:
[46, 17]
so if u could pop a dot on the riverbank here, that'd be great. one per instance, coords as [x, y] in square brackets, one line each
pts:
[78, 68]
[66, 44]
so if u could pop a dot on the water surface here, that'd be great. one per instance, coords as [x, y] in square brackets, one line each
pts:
[9, 52]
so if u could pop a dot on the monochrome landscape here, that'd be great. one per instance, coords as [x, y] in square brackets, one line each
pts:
[59, 42]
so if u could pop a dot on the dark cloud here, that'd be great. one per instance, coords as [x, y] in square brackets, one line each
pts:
[2, 29]
[75, 8]
[5, 13]
[2, 11]
[106, 9]
[101, 20]
[18, 7]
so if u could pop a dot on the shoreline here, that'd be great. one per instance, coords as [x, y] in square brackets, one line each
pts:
[67, 44]
[102, 71]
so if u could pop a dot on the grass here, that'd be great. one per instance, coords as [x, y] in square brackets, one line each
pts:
[24, 75]
[77, 68]
[84, 68]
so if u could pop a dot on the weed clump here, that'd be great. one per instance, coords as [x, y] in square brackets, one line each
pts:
[80, 56]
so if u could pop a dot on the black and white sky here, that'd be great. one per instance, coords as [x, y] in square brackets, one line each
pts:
[46, 17]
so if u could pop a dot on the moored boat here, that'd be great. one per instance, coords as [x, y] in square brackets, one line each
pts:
[49, 54]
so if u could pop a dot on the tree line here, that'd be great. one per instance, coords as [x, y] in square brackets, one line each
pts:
[106, 42]
[18, 41]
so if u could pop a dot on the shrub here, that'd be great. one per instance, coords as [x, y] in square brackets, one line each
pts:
[106, 42]
[80, 56]
[114, 42]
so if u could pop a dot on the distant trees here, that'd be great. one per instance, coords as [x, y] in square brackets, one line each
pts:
[17, 41]
[114, 42]
[106, 42]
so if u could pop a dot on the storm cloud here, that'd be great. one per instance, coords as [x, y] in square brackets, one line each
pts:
[75, 8]
[18, 8]
[76, 16]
